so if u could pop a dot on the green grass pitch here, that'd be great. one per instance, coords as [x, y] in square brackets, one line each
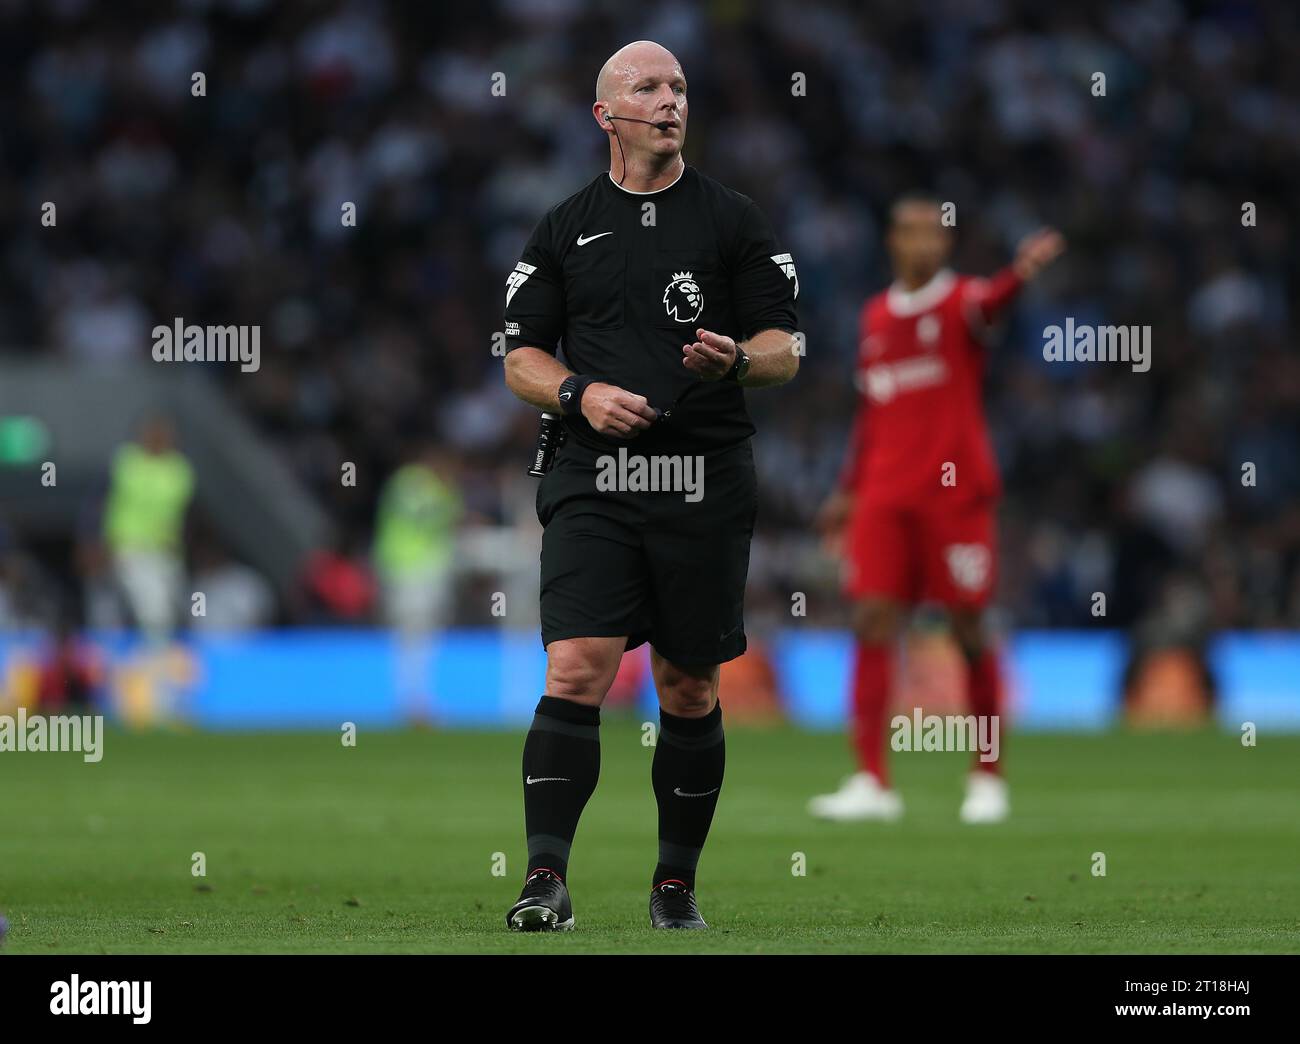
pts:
[390, 847]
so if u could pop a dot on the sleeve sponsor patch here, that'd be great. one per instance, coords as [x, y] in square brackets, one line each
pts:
[518, 278]
[786, 263]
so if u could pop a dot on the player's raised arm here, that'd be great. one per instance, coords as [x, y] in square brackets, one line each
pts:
[1036, 251]
[986, 299]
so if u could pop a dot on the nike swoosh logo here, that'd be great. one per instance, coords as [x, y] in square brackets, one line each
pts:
[566, 396]
[681, 793]
[588, 239]
[547, 779]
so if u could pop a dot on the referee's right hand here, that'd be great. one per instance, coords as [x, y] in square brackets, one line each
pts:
[611, 410]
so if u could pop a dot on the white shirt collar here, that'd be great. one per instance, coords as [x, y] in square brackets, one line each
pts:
[913, 302]
[651, 192]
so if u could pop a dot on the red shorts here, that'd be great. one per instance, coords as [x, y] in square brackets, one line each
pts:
[944, 554]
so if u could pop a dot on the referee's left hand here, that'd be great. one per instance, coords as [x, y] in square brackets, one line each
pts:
[711, 356]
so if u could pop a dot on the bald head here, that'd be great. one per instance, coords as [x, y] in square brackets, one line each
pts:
[641, 106]
[629, 63]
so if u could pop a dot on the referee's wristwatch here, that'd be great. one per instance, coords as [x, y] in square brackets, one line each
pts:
[739, 368]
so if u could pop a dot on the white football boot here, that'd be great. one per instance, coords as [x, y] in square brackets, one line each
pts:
[986, 799]
[860, 797]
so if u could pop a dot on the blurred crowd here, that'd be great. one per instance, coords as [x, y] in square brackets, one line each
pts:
[225, 207]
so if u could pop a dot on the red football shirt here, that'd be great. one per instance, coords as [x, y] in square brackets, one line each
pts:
[920, 376]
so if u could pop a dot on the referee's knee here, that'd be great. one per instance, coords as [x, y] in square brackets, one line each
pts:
[688, 693]
[694, 703]
[582, 669]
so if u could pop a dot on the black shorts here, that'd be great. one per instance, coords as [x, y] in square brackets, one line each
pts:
[654, 566]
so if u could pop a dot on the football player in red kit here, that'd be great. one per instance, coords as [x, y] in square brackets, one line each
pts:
[913, 515]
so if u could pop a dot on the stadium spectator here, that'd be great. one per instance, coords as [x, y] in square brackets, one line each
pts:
[420, 507]
[150, 487]
[415, 536]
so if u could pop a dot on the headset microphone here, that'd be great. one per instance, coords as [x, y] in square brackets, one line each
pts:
[662, 125]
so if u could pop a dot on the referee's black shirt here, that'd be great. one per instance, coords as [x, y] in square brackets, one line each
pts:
[625, 285]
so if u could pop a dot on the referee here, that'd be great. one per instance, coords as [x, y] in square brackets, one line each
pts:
[670, 295]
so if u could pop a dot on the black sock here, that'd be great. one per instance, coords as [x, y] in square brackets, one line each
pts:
[687, 776]
[561, 765]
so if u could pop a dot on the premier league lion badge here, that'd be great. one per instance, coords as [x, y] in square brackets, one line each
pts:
[683, 298]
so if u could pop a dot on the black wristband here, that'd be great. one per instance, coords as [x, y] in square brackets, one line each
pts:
[571, 390]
